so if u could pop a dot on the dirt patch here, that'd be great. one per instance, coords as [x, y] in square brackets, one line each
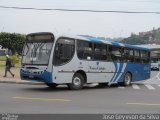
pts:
[13, 70]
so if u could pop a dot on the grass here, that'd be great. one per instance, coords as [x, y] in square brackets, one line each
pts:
[2, 65]
[15, 69]
[3, 61]
[2, 58]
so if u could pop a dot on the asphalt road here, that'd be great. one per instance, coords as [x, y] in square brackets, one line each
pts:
[138, 98]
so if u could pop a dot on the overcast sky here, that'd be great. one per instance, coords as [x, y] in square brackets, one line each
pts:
[96, 24]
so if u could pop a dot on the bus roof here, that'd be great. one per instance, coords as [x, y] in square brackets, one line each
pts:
[98, 40]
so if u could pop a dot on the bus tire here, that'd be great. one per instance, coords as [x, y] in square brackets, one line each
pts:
[127, 79]
[77, 82]
[51, 85]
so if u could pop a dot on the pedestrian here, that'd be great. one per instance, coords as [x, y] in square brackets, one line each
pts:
[8, 66]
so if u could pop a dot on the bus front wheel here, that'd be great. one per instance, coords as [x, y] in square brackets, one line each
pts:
[127, 79]
[77, 82]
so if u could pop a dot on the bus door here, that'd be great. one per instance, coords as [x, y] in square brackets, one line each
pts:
[63, 54]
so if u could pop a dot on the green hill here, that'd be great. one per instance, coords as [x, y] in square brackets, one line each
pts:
[149, 37]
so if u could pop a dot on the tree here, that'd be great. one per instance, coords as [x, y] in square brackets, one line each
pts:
[136, 40]
[12, 41]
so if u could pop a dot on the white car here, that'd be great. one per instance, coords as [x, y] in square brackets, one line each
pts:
[155, 66]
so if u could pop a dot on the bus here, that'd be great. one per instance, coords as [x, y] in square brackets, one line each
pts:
[79, 60]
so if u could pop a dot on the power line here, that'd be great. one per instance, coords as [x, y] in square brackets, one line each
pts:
[77, 10]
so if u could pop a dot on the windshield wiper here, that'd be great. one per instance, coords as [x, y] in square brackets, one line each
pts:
[27, 50]
[35, 48]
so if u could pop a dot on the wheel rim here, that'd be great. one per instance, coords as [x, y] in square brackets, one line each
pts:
[77, 81]
[127, 79]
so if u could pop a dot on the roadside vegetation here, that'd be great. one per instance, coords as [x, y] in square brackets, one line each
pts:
[13, 42]
[15, 61]
[148, 37]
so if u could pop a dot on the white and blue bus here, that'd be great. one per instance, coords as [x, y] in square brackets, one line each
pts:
[79, 60]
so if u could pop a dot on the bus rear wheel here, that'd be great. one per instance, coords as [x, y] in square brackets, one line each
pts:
[51, 85]
[77, 82]
[127, 79]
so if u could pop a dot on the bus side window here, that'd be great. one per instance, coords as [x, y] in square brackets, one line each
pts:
[84, 50]
[145, 57]
[115, 53]
[100, 51]
[137, 57]
[128, 55]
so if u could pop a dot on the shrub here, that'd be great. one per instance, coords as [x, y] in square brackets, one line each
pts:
[15, 60]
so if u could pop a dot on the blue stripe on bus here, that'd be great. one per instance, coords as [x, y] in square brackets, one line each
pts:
[47, 77]
[95, 40]
[44, 77]
[98, 40]
[119, 71]
[115, 43]
[116, 68]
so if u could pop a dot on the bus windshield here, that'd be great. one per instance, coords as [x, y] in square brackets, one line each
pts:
[37, 53]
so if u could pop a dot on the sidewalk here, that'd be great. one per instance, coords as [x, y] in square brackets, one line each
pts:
[16, 79]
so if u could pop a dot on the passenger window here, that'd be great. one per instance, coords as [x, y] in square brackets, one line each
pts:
[145, 57]
[115, 53]
[100, 52]
[64, 51]
[137, 57]
[84, 50]
[128, 55]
